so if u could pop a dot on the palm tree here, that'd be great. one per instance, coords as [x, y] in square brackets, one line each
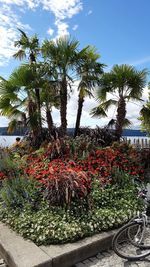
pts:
[62, 55]
[17, 99]
[49, 99]
[89, 72]
[10, 105]
[124, 82]
[29, 48]
[145, 115]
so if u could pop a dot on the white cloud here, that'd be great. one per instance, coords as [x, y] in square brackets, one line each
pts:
[75, 27]
[133, 110]
[32, 4]
[62, 28]
[10, 20]
[50, 31]
[62, 9]
[86, 120]
[3, 121]
[89, 12]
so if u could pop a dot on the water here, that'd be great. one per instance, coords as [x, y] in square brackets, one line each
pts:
[7, 140]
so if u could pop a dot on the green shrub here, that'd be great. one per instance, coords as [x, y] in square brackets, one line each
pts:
[111, 207]
[58, 226]
[7, 165]
[111, 196]
[17, 192]
[121, 178]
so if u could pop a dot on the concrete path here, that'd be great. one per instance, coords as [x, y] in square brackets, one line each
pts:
[110, 259]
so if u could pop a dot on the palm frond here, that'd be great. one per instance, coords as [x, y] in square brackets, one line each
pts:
[12, 125]
[145, 113]
[98, 112]
[20, 54]
[107, 104]
[126, 123]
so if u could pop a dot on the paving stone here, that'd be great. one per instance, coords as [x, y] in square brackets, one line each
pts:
[106, 254]
[110, 259]
[99, 256]
[93, 259]
[80, 265]
[87, 261]
[141, 264]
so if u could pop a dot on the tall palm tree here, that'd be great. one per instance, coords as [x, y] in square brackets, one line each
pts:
[124, 82]
[89, 72]
[62, 55]
[29, 48]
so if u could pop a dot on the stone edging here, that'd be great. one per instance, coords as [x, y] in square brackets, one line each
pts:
[18, 252]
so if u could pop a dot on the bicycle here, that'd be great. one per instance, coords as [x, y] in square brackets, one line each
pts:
[132, 241]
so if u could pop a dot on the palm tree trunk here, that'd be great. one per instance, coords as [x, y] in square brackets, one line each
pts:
[63, 106]
[79, 113]
[49, 119]
[121, 114]
[37, 93]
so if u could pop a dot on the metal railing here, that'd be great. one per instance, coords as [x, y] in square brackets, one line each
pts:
[138, 142]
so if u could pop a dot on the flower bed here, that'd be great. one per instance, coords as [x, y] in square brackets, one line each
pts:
[57, 225]
[65, 199]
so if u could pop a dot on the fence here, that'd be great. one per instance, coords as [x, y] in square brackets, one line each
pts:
[138, 142]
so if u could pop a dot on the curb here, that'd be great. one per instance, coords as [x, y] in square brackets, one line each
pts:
[18, 252]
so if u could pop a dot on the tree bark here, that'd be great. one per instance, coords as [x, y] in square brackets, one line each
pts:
[49, 120]
[79, 113]
[63, 106]
[37, 93]
[121, 114]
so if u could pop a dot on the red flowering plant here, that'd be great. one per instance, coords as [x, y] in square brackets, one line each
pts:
[103, 162]
[66, 180]
[2, 175]
[67, 186]
[60, 182]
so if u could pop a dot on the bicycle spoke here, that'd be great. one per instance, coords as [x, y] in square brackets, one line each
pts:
[132, 241]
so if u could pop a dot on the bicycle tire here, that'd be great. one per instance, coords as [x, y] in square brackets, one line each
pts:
[126, 247]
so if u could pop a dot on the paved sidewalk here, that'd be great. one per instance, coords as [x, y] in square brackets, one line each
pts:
[110, 259]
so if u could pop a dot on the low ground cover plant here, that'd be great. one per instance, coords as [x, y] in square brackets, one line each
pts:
[65, 199]
[109, 207]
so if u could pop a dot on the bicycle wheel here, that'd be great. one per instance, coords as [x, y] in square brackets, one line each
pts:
[141, 237]
[132, 241]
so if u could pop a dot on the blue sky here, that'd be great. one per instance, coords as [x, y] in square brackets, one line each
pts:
[118, 28]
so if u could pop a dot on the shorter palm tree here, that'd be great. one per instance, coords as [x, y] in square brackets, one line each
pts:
[29, 48]
[17, 99]
[124, 83]
[11, 105]
[145, 115]
[49, 98]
